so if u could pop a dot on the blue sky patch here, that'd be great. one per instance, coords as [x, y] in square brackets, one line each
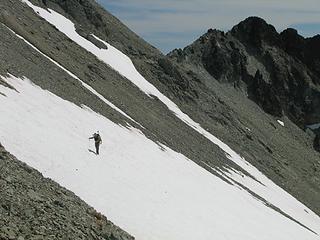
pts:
[169, 24]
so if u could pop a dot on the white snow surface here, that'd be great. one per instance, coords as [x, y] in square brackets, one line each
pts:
[281, 123]
[152, 194]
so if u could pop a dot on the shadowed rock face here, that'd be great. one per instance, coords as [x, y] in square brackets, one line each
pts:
[306, 50]
[255, 32]
[316, 143]
[279, 72]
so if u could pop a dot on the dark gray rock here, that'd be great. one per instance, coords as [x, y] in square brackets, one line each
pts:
[280, 71]
[317, 140]
[264, 94]
[255, 31]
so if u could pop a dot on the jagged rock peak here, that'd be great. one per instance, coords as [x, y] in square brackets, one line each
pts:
[292, 42]
[276, 69]
[254, 30]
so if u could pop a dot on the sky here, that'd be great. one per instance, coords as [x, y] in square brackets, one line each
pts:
[170, 24]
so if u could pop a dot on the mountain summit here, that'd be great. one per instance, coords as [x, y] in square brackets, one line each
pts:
[278, 71]
[255, 30]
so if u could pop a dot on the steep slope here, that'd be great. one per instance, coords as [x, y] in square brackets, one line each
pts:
[156, 187]
[33, 207]
[89, 84]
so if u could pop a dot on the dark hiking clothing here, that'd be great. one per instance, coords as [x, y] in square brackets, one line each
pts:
[97, 141]
[96, 137]
[97, 145]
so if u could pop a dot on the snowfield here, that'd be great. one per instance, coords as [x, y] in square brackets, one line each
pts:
[155, 193]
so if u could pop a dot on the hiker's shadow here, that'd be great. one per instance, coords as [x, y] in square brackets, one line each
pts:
[90, 150]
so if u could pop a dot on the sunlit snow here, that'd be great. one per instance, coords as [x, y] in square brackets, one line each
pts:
[281, 123]
[154, 194]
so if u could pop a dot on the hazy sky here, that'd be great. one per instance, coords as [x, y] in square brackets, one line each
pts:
[169, 24]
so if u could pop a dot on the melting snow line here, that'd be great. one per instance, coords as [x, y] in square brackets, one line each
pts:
[75, 77]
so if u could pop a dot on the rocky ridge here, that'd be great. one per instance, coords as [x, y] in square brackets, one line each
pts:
[279, 72]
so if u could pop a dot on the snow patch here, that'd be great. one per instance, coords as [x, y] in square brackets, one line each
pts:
[152, 194]
[281, 123]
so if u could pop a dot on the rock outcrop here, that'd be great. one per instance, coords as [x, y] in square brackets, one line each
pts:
[279, 72]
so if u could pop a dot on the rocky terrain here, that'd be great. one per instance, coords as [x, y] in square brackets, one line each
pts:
[235, 84]
[34, 207]
[279, 72]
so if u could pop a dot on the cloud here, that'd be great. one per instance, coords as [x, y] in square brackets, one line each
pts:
[172, 24]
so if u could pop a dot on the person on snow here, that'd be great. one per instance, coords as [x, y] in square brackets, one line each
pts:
[97, 141]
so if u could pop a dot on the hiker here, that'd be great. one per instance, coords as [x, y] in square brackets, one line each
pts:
[97, 141]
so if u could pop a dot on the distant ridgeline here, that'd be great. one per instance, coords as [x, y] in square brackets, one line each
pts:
[279, 72]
